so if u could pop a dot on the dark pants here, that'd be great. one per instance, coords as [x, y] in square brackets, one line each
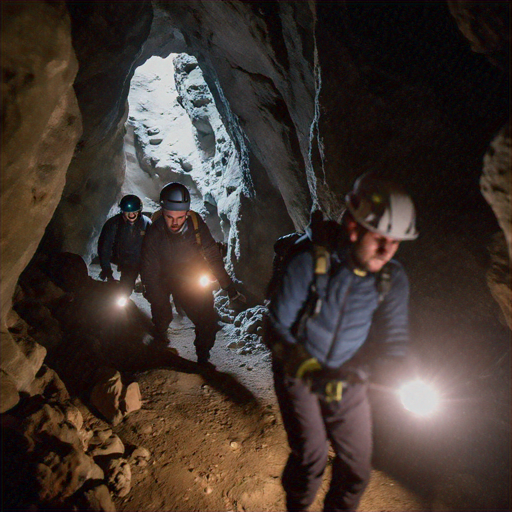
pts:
[310, 423]
[199, 307]
[129, 274]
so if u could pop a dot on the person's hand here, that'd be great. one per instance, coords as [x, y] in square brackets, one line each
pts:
[296, 360]
[235, 297]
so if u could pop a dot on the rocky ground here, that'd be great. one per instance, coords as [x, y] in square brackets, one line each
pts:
[147, 429]
[215, 438]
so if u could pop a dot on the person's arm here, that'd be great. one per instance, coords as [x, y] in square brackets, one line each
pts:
[391, 319]
[150, 264]
[213, 255]
[289, 298]
[106, 245]
[394, 361]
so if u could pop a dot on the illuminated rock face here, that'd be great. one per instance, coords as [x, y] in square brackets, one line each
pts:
[312, 95]
[40, 128]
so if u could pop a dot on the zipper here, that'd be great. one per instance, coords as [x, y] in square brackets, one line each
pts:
[340, 318]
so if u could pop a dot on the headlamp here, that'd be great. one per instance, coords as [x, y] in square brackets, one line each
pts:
[122, 301]
[419, 397]
[204, 281]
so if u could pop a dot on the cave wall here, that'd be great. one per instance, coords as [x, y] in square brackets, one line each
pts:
[107, 38]
[41, 124]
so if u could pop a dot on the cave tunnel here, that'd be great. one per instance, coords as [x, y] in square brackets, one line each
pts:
[268, 111]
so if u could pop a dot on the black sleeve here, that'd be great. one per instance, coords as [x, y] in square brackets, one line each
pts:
[106, 243]
[150, 268]
[213, 255]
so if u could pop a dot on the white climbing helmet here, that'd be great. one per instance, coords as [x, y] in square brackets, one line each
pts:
[382, 207]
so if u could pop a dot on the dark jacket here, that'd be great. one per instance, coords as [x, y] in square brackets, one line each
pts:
[121, 242]
[178, 258]
[342, 326]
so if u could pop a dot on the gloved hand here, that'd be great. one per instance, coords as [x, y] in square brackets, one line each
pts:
[296, 360]
[107, 275]
[235, 297]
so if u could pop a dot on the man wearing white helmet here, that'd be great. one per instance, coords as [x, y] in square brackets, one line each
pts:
[337, 282]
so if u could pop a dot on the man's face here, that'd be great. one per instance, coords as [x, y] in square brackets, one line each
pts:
[371, 251]
[131, 217]
[174, 219]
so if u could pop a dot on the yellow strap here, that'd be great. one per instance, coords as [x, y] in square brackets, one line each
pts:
[322, 259]
[333, 391]
[195, 222]
[306, 366]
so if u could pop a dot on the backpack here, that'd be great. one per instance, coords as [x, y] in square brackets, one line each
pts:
[322, 238]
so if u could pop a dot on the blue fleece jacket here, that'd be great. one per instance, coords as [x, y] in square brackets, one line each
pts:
[350, 306]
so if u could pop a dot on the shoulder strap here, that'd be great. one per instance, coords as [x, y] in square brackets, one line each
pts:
[384, 282]
[195, 222]
[317, 290]
[322, 265]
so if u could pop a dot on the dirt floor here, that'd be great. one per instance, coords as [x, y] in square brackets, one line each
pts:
[215, 435]
[217, 442]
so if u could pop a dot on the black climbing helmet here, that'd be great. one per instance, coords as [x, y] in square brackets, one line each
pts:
[130, 203]
[175, 197]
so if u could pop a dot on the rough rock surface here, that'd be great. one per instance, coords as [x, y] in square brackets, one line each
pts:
[40, 127]
[106, 65]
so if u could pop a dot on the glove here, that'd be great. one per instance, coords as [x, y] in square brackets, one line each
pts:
[106, 275]
[331, 390]
[299, 363]
[235, 297]
[296, 360]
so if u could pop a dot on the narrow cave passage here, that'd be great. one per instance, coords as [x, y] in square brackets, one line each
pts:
[404, 89]
[174, 132]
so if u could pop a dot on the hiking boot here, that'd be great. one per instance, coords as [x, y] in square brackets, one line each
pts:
[161, 339]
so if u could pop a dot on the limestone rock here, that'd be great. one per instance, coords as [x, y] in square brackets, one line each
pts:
[16, 364]
[119, 477]
[132, 399]
[63, 471]
[49, 384]
[96, 499]
[110, 446]
[140, 456]
[38, 61]
[486, 26]
[106, 395]
[73, 415]
[496, 181]
[9, 396]
[498, 277]
[100, 436]
[48, 420]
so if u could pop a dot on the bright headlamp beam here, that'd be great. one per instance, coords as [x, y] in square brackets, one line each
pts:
[419, 397]
[122, 301]
[204, 281]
